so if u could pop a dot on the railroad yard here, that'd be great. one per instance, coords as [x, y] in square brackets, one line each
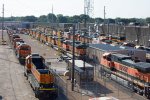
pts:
[74, 50]
[14, 85]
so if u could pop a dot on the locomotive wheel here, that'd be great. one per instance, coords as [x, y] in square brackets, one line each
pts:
[36, 93]
[134, 90]
[148, 96]
[25, 74]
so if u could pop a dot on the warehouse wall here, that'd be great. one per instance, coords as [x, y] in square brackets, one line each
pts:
[139, 35]
[95, 54]
[135, 54]
[112, 29]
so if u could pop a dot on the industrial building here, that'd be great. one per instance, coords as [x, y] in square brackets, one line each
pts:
[95, 52]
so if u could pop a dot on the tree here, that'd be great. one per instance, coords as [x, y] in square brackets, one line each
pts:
[84, 17]
[69, 19]
[91, 20]
[76, 19]
[51, 18]
[29, 19]
[61, 18]
[42, 18]
[99, 20]
[148, 19]
[16, 18]
[141, 21]
[134, 20]
[125, 21]
[111, 20]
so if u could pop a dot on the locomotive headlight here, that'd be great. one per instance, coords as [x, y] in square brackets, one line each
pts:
[41, 86]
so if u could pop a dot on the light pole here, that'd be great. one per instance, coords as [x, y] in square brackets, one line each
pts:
[73, 58]
[104, 18]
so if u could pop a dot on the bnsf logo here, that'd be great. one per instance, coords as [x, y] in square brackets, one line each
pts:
[123, 68]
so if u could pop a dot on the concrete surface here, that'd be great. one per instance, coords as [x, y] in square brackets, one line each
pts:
[13, 85]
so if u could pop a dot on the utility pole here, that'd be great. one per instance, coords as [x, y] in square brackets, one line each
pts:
[85, 13]
[104, 18]
[104, 14]
[2, 22]
[52, 17]
[73, 58]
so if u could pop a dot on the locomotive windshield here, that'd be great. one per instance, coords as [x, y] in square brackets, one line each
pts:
[24, 48]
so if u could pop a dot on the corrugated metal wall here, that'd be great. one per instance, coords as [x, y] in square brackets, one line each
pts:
[95, 54]
[138, 35]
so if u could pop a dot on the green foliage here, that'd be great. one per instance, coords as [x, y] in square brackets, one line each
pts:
[133, 20]
[61, 18]
[141, 21]
[51, 18]
[76, 19]
[84, 17]
[29, 19]
[125, 21]
[42, 18]
[99, 20]
[148, 19]
[111, 20]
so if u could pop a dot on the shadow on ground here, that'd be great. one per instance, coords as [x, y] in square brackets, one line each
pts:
[1, 97]
[94, 89]
[60, 97]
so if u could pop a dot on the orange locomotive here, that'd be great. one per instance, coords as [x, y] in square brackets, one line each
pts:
[13, 36]
[39, 76]
[22, 51]
[16, 40]
[136, 73]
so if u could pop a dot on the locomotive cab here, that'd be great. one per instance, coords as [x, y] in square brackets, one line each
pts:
[107, 56]
[107, 61]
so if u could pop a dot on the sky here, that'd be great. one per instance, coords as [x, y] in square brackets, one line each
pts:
[114, 8]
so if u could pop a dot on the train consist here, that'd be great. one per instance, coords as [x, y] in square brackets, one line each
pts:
[22, 50]
[36, 70]
[135, 73]
[57, 39]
